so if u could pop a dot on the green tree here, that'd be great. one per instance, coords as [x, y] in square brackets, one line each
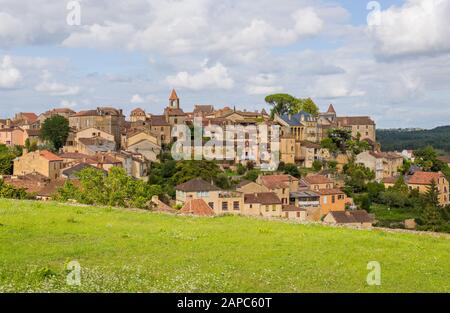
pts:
[432, 195]
[55, 130]
[282, 104]
[317, 165]
[240, 169]
[222, 181]
[31, 145]
[309, 106]
[291, 169]
[252, 175]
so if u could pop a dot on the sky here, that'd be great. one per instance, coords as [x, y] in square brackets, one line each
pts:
[387, 59]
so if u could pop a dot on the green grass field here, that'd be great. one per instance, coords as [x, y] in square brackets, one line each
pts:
[135, 251]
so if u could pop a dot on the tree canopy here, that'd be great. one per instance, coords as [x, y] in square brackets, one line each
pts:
[287, 104]
[55, 130]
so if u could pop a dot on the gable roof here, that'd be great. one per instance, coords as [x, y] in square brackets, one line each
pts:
[424, 178]
[197, 207]
[78, 168]
[317, 179]
[158, 120]
[265, 198]
[197, 185]
[355, 120]
[204, 109]
[49, 156]
[277, 181]
[29, 116]
[326, 192]
[350, 217]
[174, 112]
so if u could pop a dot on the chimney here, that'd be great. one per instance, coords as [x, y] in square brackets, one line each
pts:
[290, 116]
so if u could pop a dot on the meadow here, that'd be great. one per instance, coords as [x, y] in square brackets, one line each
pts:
[137, 251]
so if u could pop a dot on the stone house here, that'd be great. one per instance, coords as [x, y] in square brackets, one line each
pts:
[383, 164]
[266, 204]
[43, 162]
[281, 185]
[332, 200]
[108, 120]
[421, 181]
[362, 126]
[318, 182]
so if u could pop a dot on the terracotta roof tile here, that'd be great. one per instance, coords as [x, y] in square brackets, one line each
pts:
[197, 207]
[317, 179]
[424, 178]
[277, 181]
[265, 198]
[197, 185]
[50, 156]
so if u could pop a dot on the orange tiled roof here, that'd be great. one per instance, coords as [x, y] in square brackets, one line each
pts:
[277, 181]
[197, 207]
[317, 179]
[50, 156]
[325, 192]
[424, 178]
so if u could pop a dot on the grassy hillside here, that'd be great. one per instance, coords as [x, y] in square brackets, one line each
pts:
[138, 251]
[392, 139]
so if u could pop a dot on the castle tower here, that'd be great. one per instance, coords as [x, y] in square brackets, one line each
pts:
[174, 101]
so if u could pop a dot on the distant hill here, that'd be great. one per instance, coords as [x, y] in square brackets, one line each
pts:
[400, 139]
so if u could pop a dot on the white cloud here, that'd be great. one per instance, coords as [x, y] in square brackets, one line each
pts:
[419, 27]
[10, 76]
[101, 36]
[10, 30]
[215, 77]
[263, 84]
[54, 88]
[135, 99]
[307, 22]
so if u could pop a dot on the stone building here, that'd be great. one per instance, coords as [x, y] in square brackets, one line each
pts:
[109, 120]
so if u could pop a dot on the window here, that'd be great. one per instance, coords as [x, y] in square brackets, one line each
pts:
[236, 205]
[298, 214]
[325, 200]
[267, 208]
[211, 204]
[224, 206]
[333, 199]
[274, 208]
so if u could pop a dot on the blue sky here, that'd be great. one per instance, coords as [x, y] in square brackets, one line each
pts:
[395, 69]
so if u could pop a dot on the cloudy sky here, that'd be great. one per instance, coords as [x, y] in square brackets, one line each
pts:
[393, 65]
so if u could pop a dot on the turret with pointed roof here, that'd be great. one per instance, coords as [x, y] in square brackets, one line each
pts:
[174, 101]
[331, 109]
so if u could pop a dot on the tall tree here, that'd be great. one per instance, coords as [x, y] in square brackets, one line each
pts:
[310, 107]
[282, 104]
[55, 130]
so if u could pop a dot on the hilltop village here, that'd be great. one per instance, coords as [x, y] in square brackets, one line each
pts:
[317, 152]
